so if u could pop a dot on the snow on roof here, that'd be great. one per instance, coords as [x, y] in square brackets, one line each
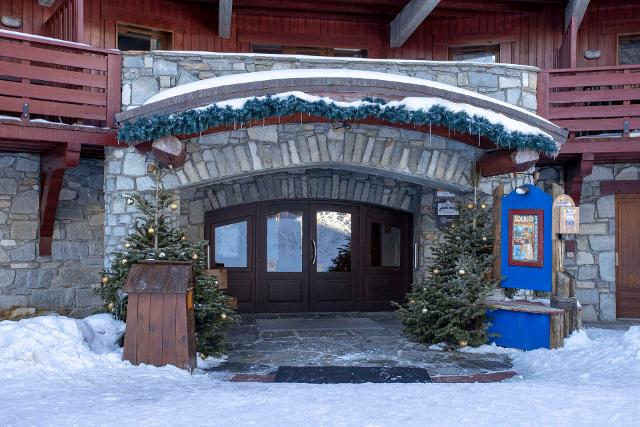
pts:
[234, 79]
[410, 103]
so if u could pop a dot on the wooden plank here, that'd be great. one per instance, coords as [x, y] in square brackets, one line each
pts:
[49, 56]
[610, 124]
[523, 306]
[599, 95]
[169, 350]
[48, 108]
[114, 92]
[498, 192]
[47, 74]
[142, 330]
[613, 146]
[224, 18]
[156, 330]
[600, 79]
[52, 93]
[182, 334]
[631, 186]
[131, 334]
[409, 19]
[590, 111]
[56, 42]
[57, 134]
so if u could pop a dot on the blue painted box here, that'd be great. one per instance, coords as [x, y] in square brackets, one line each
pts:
[525, 326]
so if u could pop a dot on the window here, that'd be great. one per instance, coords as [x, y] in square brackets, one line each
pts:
[308, 50]
[629, 49]
[385, 245]
[231, 245]
[140, 38]
[484, 54]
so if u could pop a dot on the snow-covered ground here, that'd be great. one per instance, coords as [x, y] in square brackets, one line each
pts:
[60, 371]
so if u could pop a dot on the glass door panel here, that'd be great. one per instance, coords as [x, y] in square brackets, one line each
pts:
[333, 246]
[284, 242]
[231, 245]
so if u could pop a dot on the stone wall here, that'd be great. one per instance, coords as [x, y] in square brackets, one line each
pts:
[146, 73]
[594, 262]
[375, 164]
[64, 280]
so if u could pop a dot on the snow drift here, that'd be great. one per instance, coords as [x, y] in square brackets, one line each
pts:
[58, 343]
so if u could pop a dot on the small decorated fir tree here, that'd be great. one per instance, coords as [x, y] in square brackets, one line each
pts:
[154, 238]
[449, 305]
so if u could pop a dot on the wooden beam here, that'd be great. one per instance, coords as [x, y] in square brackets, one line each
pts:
[575, 9]
[577, 173]
[601, 145]
[224, 18]
[52, 167]
[627, 186]
[409, 19]
[506, 161]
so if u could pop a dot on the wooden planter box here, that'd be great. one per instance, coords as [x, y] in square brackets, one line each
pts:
[160, 314]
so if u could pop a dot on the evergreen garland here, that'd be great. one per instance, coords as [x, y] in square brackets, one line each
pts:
[448, 306]
[154, 238]
[258, 108]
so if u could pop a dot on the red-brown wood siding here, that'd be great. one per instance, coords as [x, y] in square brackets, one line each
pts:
[530, 38]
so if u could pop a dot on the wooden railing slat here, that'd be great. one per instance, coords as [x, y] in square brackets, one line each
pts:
[46, 74]
[48, 108]
[32, 53]
[50, 93]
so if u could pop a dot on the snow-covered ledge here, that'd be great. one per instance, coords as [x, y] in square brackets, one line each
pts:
[147, 73]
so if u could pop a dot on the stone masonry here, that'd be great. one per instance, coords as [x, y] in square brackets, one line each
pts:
[63, 281]
[146, 73]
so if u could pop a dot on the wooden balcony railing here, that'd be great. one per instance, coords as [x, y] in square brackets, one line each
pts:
[592, 101]
[66, 21]
[58, 81]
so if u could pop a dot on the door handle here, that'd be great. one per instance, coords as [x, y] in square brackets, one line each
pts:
[315, 252]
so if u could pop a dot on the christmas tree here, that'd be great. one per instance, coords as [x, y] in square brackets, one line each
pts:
[154, 238]
[448, 306]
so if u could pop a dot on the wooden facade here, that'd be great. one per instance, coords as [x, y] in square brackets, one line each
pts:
[587, 96]
[528, 33]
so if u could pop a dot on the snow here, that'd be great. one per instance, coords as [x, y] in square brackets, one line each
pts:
[240, 78]
[341, 58]
[410, 103]
[50, 376]
[48, 39]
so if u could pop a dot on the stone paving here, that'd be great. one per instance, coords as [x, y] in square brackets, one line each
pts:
[258, 345]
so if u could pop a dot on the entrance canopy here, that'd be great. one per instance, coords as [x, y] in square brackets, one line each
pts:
[312, 95]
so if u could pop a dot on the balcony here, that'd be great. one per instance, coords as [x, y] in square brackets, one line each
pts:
[54, 92]
[600, 106]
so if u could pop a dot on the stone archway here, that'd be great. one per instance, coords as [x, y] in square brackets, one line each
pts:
[409, 156]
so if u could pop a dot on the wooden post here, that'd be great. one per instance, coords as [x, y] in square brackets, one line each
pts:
[558, 247]
[498, 192]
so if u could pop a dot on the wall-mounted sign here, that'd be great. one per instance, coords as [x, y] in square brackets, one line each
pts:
[566, 216]
[446, 208]
[526, 237]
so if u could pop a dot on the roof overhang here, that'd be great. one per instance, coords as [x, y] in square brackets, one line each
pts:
[340, 85]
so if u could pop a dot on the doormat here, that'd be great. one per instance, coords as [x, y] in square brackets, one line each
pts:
[350, 374]
[317, 324]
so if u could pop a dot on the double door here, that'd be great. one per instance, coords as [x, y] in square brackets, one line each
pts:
[299, 256]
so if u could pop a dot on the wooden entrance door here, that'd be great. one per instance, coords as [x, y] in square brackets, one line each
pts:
[628, 255]
[387, 252]
[335, 259]
[231, 234]
[312, 255]
[283, 257]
